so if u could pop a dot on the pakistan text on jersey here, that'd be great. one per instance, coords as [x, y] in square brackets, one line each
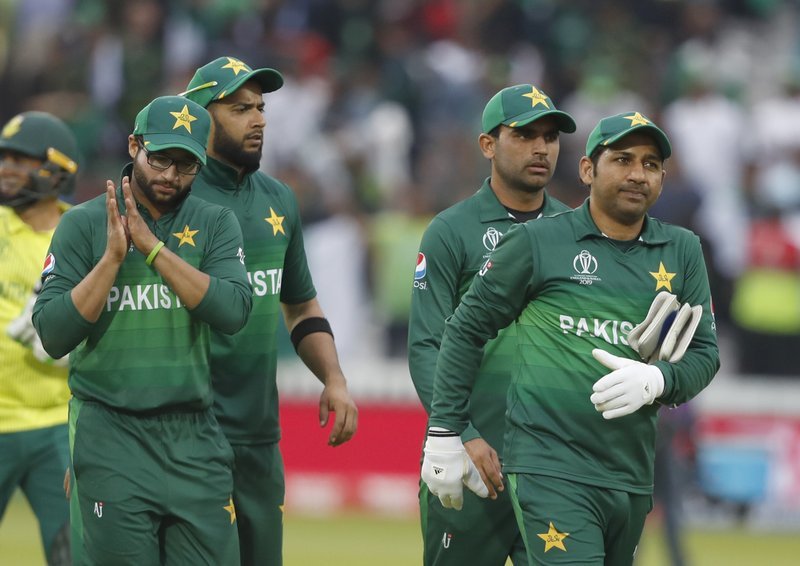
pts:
[612, 331]
[266, 282]
[141, 297]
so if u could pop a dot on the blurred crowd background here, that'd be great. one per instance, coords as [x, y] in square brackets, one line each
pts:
[376, 128]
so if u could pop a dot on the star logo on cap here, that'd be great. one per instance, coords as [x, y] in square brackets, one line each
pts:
[183, 118]
[663, 277]
[276, 222]
[235, 65]
[638, 120]
[537, 97]
[186, 237]
[12, 128]
[553, 539]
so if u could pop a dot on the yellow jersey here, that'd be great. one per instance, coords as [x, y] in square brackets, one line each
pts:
[32, 394]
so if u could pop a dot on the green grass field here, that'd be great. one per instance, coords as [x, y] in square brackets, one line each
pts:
[362, 540]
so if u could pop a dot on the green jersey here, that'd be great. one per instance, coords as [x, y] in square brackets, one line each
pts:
[454, 246]
[571, 289]
[146, 352]
[244, 366]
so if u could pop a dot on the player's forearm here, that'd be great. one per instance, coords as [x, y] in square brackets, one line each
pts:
[58, 323]
[423, 350]
[318, 353]
[91, 294]
[189, 283]
[226, 305]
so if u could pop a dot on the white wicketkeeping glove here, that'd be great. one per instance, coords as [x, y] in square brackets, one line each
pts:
[625, 390]
[446, 469]
[21, 329]
[666, 331]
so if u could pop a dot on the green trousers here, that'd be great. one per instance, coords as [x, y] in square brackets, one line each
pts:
[151, 489]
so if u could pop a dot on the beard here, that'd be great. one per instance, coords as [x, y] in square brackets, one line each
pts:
[163, 203]
[230, 151]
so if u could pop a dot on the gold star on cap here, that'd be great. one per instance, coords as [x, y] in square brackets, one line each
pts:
[230, 509]
[537, 97]
[276, 222]
[662, 277]
[12, 128]
[553, 539]
[186, 237]
[183, 118]
[638, 120]
[235, 65]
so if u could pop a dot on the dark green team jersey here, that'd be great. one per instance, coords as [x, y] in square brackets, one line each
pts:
[244, 365]
[571, 290]
[146, 352]
[454, 247]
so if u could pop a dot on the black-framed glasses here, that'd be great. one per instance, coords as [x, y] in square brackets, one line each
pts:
[161, 162]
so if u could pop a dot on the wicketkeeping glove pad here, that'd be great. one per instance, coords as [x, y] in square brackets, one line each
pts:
[625, 390]
[446, 468]
[666, 331]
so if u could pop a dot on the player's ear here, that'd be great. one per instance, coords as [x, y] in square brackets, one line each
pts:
[133, 146]
[586, 170]
[486, 143]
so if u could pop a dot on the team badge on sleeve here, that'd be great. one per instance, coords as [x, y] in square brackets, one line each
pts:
[49, 264]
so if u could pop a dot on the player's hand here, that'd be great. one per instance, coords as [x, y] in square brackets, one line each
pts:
[140, 233]
[630, 385]
[488, 464]
[117, 232]
[21, 330]
[335, 398]
[446, 468]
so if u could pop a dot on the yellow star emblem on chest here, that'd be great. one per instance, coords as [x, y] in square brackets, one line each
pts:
[186, 236]
[235, 65]
[663, 277]
[638, 120]
[553, 539]
[276, 222]
[230, 509]
[537, 97]
[183, 119]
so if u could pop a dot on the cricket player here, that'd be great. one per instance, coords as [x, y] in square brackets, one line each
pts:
[520, 137]
[244, 366]
[133, 284]
[38, 164]
[582, 408]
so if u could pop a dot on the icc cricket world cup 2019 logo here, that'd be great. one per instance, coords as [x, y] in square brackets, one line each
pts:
[491, 238]
[585, 265]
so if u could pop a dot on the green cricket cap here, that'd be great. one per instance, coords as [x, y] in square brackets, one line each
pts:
[222, 76]
[614, 128]
[174, 122]
[518, 105]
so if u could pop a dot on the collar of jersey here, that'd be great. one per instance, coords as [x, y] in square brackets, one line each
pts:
[223, 176]
[490, 208]
[653, 233]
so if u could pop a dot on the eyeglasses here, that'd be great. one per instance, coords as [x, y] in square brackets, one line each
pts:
[161, 162]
